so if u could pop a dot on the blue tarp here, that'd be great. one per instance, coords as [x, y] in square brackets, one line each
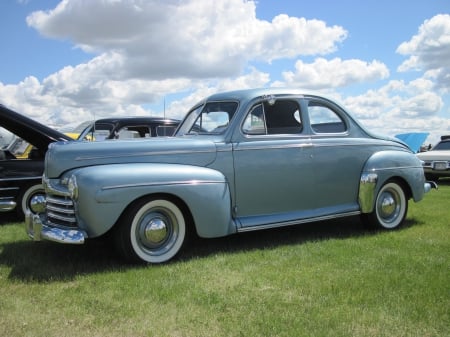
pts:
[413, 139]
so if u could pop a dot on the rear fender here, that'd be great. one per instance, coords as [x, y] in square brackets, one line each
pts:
[385, 165]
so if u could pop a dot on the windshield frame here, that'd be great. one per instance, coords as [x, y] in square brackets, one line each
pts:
[209, 118]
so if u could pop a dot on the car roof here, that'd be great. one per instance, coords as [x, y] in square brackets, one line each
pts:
[30, 130]
[138, 119]
[251, 93]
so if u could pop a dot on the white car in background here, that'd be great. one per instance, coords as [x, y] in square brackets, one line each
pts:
[436, 162]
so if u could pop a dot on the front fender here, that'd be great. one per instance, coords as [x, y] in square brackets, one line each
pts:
[385, 165]
[105, 191]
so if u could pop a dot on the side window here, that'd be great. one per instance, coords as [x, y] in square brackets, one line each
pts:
[325, 120]
[255, 123]
[130, 132]
[165, 130]
[280, 117]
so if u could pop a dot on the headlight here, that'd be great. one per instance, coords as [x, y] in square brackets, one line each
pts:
[73, 187]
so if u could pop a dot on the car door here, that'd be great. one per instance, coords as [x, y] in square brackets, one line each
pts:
[338, 158]
[273, 166]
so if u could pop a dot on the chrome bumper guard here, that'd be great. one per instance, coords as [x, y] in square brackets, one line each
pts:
[429, 185]
[39, 231]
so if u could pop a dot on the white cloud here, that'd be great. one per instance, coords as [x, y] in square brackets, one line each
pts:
[429, 51]
[400, 107]
[335, 73]
[171, 39]
[144, 50]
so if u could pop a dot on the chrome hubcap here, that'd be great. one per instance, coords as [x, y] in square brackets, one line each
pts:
[388, 206]
[156, 231]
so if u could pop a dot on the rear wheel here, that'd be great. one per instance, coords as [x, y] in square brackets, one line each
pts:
[390, 209]
[151, 230]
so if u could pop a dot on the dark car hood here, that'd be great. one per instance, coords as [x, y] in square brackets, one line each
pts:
[28, 129]
[62, 157]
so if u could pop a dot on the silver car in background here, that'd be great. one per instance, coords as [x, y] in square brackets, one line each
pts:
[436, 161]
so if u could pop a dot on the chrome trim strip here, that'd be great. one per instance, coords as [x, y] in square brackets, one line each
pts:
[379, 169]
[141, 154]
[59, 201]
[21, 178]
[8, 188]
[272, 147]
[181, 182]
[296, 222]
[67, 218]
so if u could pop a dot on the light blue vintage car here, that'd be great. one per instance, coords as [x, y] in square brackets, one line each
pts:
[240, 161]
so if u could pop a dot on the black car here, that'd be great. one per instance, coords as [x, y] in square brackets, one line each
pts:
[129, 128]
[21, 176]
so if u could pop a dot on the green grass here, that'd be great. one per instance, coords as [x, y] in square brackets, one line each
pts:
[332, 279]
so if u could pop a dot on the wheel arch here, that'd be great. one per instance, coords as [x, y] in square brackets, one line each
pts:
[202, 193]
[166, 196]
[399, 166]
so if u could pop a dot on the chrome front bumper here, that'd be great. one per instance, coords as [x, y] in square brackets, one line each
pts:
[38, 231]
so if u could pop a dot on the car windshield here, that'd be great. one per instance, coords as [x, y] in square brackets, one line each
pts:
[442, 146]
[211, 118]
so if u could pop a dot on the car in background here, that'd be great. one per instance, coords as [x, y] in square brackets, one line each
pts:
[239, 161]
[436, 162]
[129, 128]
[22, 160]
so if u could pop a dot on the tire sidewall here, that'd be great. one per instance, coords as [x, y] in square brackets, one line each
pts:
[27, 195]
[403, 204]
[175, 246]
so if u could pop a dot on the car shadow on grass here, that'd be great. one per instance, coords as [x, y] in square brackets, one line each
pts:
[8, 217]
[37, 262]
[45, 261]
[343, 228]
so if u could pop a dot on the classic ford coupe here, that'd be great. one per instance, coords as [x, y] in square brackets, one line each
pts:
[240, 161]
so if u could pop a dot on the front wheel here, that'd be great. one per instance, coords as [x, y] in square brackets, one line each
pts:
[151, 230]
[390, 208]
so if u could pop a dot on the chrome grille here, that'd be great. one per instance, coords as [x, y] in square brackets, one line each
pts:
[60, 211]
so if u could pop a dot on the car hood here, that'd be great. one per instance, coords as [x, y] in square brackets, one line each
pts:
[64, 156]
[435, 155]
[413, 139]
[30, 130]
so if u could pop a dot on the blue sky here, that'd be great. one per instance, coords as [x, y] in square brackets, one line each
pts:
[388, 62]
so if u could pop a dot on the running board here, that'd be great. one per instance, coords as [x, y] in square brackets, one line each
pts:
[296, 222]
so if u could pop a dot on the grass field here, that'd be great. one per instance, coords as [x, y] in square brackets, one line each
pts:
[331, 279]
